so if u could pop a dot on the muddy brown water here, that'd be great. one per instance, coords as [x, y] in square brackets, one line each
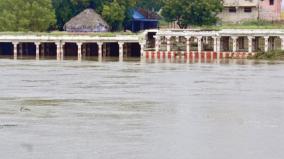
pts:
[141, 109]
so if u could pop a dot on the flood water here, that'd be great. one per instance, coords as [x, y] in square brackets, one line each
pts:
[141, 110]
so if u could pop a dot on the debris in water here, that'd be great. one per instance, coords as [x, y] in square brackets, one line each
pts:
[23, 109]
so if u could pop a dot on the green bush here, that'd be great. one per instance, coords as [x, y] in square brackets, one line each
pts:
[270, 55]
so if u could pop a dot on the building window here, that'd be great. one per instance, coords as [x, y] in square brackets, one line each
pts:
[271, 2]
[248, 9]
[232, 9]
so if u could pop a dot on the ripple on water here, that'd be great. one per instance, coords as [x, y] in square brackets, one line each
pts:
[222, 109]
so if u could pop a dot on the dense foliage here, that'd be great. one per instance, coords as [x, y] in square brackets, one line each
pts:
[26, 15]
[270, 55]
[66, 9]
[153, 5]
[44, 15]
[116, 12]
[192, 12]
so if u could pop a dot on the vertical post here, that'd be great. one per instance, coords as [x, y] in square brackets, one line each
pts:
[266, 43]
[215, 44]
[249, 44]
[168, 38]
[234, 38]
[218, 43]
[188, 44]
[141, 49]
[282, 43]
[15, 49]
[176, 41]
[157, 43]
[58, 51]
[62, 45]
[218, 46]
[121, 51]
[199, 44]
[37, 44]
[79, 45]
[100, 49]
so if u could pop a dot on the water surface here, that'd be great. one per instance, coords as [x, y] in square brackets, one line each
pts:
[141, 110]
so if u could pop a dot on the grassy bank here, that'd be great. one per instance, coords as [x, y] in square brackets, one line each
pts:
[271, 55]
[58, 33]
[164, 25]
[254, 24]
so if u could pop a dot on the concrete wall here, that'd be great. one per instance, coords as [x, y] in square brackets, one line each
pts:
[239, 3]
[238, 16]
[261, 9]
[270, 12]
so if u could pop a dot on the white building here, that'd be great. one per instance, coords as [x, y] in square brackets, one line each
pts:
[242, 10]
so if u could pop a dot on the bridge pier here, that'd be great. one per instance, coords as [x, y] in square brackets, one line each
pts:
[37, 50]
[15, 49]
[79, 45]
[163, 44]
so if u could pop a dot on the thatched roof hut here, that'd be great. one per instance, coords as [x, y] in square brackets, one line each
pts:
[87, 21]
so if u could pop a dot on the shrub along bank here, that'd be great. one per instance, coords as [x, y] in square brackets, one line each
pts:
[270, 55]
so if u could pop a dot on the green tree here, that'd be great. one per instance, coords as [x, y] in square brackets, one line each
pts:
[26, 15]
[153, 5]
[128, 5]
[192, 12]
[66, 9]
[114, 14]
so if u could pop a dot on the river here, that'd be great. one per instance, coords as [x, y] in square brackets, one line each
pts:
[141, 110]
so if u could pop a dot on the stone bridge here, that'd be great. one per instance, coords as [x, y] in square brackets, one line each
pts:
[225, 43]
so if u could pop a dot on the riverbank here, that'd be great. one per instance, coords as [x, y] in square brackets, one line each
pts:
[201, 44]
[270, 55]
[253, 24]
[62, 33]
